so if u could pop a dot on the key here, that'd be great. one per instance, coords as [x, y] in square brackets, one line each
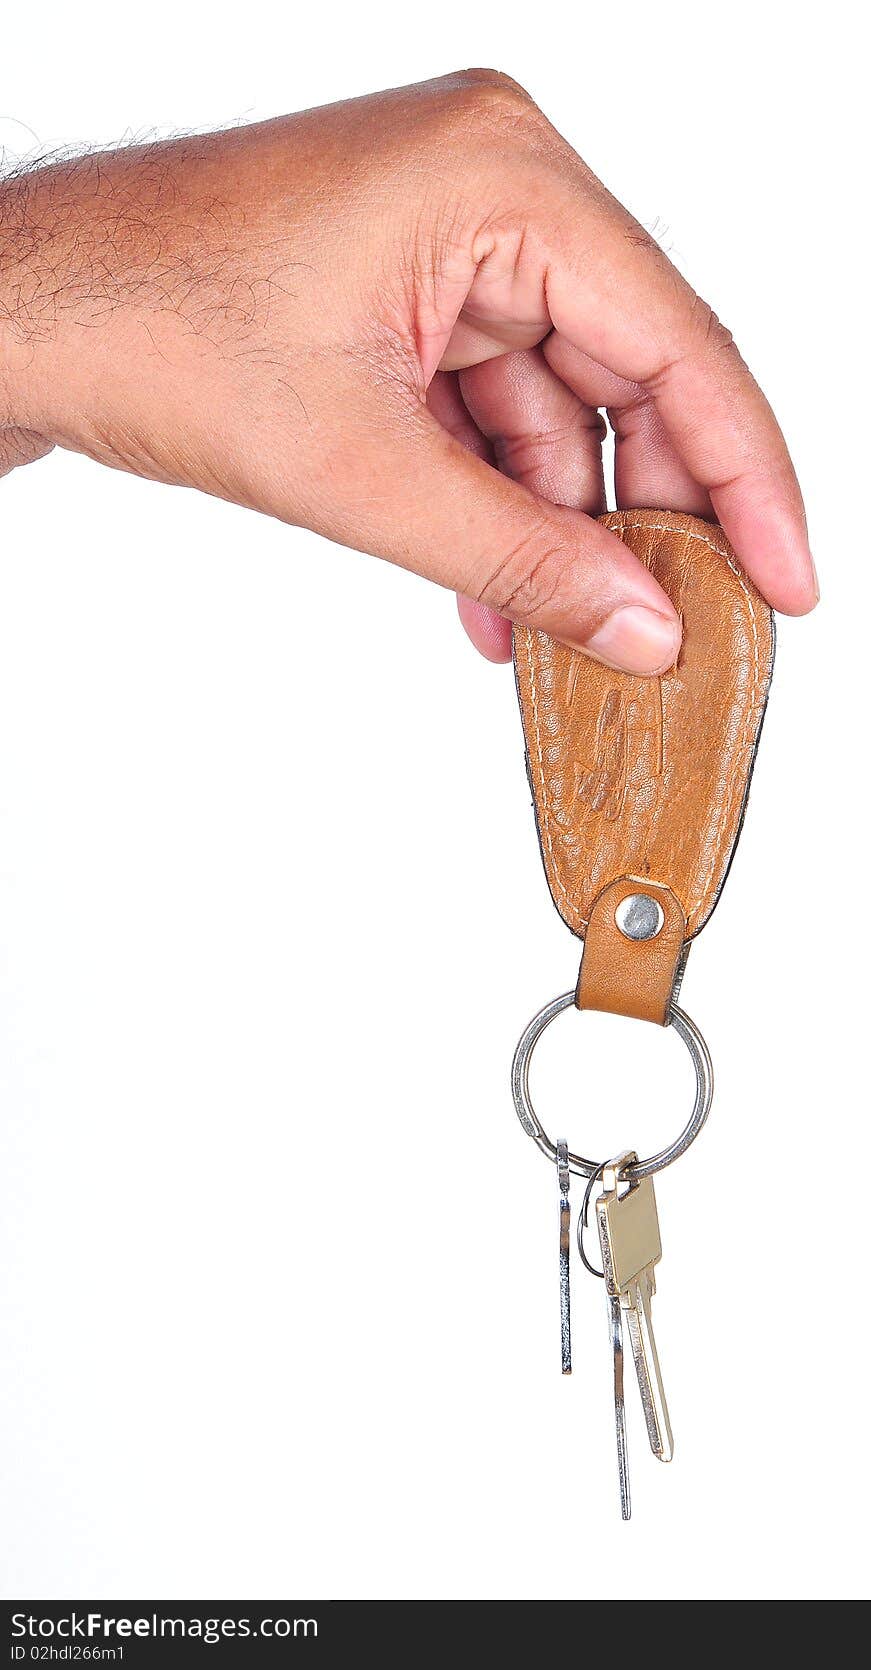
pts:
[615, 1334]
[631, 1248]
[565, 1314]
[647, 1368]
[615, 1319]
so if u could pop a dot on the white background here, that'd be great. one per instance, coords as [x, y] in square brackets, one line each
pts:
[279, 1288]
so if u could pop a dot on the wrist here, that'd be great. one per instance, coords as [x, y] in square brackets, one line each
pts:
[24, 334]
[9, 346]
[46, 255]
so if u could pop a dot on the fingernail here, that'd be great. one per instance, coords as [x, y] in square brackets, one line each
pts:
[816, 578]
[636, 640]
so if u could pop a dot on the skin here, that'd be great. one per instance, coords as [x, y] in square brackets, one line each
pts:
[396, 321]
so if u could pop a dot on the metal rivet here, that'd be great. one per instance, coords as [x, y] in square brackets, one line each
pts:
[638, 916]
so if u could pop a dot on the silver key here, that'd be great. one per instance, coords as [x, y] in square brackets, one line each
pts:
[629, 1236]
[565, 1312]
[615, 1318]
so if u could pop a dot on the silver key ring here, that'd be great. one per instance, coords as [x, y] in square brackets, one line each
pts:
[701, 1060]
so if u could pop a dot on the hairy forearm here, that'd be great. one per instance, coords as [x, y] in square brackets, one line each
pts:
[162, 238]
[65, 263]
[74, 241]
[128, 280]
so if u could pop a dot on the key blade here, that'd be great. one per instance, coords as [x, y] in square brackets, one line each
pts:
[565, 1226]
[565, 1314]
[615, 1320]
[637, 1307]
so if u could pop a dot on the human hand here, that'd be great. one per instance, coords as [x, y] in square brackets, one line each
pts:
[346, 318]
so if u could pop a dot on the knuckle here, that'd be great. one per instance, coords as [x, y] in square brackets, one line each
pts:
[530, 578]
[702, 340]
[494, 84]
[711, 334]
[710, 329]
[491, 98]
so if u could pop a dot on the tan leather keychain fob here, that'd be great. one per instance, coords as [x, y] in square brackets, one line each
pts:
[640, 786]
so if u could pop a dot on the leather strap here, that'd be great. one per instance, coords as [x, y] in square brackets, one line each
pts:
[640, 785]
[629, 976]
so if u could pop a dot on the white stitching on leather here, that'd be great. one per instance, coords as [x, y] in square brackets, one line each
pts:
[544, 801]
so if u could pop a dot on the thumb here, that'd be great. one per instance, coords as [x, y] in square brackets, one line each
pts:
[453, 518]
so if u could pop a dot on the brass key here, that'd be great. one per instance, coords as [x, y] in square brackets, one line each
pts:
[629, 1236]
[636, 1306]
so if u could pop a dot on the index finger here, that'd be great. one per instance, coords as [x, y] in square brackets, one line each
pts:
[614, 294]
